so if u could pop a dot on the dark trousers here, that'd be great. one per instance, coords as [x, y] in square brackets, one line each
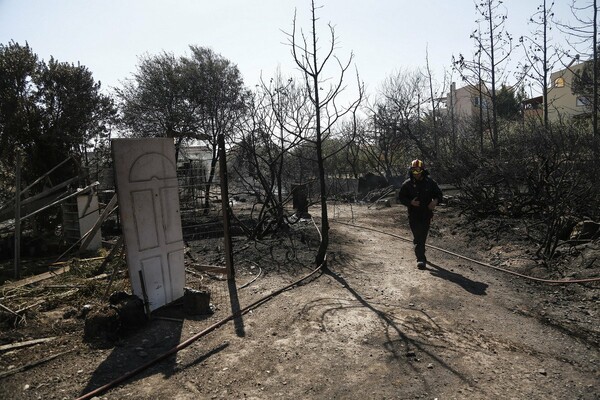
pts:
[420, 229]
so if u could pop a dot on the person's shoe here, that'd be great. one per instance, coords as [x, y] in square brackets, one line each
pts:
[421, 265]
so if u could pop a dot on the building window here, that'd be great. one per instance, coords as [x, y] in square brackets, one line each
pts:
[476, 103]
[583, 101]
[559, 82]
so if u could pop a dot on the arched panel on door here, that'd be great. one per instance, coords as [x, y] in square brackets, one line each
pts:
[152, 166]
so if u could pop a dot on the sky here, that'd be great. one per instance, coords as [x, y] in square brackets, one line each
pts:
[385, 36]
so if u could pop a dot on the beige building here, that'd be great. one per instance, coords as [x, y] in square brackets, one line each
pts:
[465, 102]
[562, 102]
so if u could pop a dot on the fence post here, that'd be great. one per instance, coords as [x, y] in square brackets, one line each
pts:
[300, 199]
[18, 217]
[225, 206]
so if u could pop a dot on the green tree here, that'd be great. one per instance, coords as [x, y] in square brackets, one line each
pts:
[196, 97]
[18, 114]
[156, 101]
[219, 97]
[74, 112]
[48, 111]
[509, 103]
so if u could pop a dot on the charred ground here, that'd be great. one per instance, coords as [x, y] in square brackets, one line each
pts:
[373, 326]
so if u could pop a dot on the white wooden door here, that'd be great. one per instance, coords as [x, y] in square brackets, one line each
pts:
[147, 190]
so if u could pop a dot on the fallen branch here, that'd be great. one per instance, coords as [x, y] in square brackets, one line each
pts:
[10, 296]
[80, 259]
[62, 286]
[118, 245]
[9, 310]
[33, 364]
[30, 306]
[191, 271]
[27, 343]
[209, 268]
[97, 277]
[56, 296]
[18, 318]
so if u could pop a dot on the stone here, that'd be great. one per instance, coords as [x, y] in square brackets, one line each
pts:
[196, 302]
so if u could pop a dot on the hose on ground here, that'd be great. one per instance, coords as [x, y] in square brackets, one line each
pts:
[533, 278]
[192, 339]
[197, 336]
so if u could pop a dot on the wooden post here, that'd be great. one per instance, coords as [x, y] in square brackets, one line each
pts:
[18, 217]
[225, 206]
[300, 199]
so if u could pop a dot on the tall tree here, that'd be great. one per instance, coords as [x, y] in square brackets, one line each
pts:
[495, 45]
[540, 52]
[19, 114]
[265, 145]
[307, 53]
[435, 100]
[352, 134]
[73, 111]
[475, 74]
[381, 144]
[509, 103]
[217, 90]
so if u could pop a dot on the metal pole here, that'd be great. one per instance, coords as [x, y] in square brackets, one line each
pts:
[225, 206]
[18, 217]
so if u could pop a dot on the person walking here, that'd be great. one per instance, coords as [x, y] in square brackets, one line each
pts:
[420, 194]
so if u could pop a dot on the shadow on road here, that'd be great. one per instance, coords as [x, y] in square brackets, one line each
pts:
[392, 325]
[474, 287]
[148, 350]
[235, 308]
[154, 339]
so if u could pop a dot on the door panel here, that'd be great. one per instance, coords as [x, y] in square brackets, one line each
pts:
[145, 219]
[171, 213]
[152, 271]
[147, 190]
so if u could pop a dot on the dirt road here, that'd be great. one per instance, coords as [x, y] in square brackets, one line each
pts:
[374, 327]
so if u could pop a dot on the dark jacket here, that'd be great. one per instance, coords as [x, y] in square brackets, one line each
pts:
[424, 190]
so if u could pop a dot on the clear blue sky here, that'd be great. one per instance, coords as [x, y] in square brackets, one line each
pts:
[107, 36]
